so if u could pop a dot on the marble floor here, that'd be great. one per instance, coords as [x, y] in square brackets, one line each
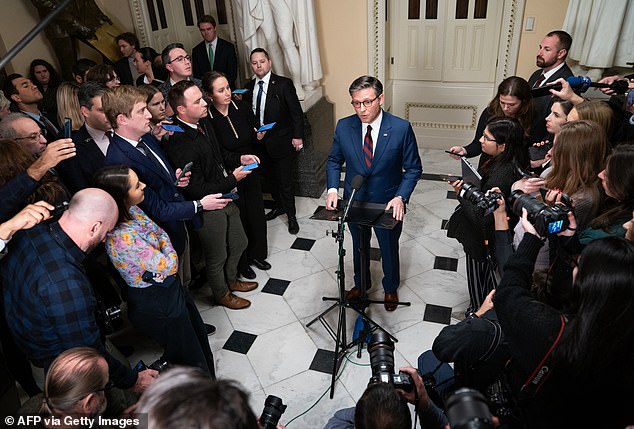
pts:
[269, 349]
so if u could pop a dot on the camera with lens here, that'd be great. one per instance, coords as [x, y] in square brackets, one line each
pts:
[273, 410]
[381, 349]
[109, 318]
[475, 196]
[546, 219]
[467, 409]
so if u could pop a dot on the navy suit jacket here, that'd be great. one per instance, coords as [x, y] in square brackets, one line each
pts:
[77, 172]
[225, 60]
[163, 202]
[281, 106]
[396, 165]
[541, 105]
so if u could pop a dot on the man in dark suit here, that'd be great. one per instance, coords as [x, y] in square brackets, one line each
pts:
[178, 64]
[132, 145]
[214, 53]
[127, 43]
[25, 97]
[551, 60]
[214, 170]
[382, 148]
[275, 100]
[91, 140]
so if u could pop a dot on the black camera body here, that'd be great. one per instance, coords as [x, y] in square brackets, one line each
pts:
[381, 349]
[475, 196]
[273, 410]
[546, 219]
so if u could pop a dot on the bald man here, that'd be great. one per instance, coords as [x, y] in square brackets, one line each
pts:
[48, 301]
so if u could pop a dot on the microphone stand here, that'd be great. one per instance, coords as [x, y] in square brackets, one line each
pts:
[341, 302]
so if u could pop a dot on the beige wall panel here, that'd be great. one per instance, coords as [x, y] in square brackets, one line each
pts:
[549, 15]
[343, 44]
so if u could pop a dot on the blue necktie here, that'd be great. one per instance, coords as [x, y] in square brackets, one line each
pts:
[258, 101]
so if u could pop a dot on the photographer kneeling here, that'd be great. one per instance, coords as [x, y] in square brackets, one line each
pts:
[383, 405]
[580, 359]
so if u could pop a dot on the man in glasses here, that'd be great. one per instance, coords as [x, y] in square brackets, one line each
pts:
[381, 148]
[26, 132]
[179, 66]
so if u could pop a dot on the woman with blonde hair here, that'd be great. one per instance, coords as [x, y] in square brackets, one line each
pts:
[597, 111]
[68, 104]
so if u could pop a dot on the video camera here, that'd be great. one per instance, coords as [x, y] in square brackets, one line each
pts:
[475, 196]
[546, 219]
[381, 350]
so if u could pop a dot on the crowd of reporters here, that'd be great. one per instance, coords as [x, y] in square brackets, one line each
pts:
[547, 234]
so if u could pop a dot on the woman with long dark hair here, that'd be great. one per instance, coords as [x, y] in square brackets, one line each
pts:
[234, 124]
[583, 355]
[142, 252]
[617, 180]
[512, 100]
[503, 142]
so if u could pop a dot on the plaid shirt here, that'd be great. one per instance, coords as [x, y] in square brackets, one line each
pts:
[48, 300]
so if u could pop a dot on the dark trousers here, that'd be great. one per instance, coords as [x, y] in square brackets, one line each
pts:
[279, 174]
[388, 244]
[169, 316]
[251, 207]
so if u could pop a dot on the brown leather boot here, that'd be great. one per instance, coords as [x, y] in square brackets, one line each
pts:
[233, 302]
[241, 286]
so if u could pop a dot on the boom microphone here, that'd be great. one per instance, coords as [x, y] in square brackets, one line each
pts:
[581, 84]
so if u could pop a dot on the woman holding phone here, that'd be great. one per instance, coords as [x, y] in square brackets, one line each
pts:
[142, 252]
[234, 124]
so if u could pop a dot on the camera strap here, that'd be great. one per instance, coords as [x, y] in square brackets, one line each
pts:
[544, 369]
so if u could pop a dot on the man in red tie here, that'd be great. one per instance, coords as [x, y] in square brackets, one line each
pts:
[382, 148]
[551, 60]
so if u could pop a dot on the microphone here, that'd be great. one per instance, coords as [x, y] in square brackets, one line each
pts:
[581, 84]
[357, 182]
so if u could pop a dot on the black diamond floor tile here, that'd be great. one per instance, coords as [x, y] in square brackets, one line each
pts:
[375, 254]
[447, 264]
[303, 244]
[341, 184]
[437, 314]
[443, 225]
[323, 361]
[239, 342]
[276, 286]
[430, 176]
[269, 204]
[451, 195]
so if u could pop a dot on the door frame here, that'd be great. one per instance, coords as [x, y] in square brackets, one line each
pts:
[508, 46]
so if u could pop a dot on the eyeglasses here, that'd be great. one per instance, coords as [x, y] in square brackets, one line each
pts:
[34, 136]
[180, 58]
[487, 139]
[366, 103]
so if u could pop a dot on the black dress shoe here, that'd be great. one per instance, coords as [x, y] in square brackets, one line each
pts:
[274, 213]
[293, 226]
[260, 264]
[248, 273]
[211, 329]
